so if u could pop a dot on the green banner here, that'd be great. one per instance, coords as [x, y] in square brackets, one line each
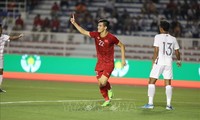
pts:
[86, 66]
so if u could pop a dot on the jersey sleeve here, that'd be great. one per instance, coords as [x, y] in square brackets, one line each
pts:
[6, 38]
[156, 41]
[115, 40]
[93, 34]
[176, 46]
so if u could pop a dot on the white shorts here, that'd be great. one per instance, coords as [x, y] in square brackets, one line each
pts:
[157, 70]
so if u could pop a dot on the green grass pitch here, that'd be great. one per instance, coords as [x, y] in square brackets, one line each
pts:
[47, 100]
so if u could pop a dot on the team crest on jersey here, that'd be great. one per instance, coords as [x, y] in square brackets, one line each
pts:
[30, 63]
[118, 70]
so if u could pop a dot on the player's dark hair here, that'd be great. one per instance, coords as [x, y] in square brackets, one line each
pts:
[105, 23]
[165, 25]
[0, 25]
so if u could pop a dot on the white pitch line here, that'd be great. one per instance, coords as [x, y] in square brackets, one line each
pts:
[56, 101]
[97, 100]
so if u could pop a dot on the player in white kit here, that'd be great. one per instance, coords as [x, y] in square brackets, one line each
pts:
[4, 38]
[164, 46]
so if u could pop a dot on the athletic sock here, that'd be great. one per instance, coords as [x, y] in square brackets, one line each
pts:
[151, 93]
[108, 86]
[104, 92]
[168, 94]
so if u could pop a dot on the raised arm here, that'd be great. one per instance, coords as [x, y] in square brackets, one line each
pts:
[15, 37]
[79, 28]
[122, 47]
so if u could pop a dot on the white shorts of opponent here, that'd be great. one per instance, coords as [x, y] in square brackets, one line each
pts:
[157, 70]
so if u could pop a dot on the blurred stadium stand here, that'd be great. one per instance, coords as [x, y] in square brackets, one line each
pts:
[66, 41]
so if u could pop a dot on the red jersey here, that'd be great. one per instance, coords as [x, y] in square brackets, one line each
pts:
[105, 50]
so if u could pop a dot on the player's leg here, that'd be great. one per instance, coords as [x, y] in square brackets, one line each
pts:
[110, 92]
[151, 90]
[151, 93]
[154, 74]
[104, 81]
[103, 89]
[168, 75]
[1, 80]
[1, 75]
[168, 91]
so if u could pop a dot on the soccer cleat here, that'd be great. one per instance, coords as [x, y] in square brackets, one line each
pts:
[106, 103]
[1, 90]
[169, 108]
[110, 94]
[148, 106]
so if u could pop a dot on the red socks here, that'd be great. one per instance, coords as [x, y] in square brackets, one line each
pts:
[108, 86]
[104, 91]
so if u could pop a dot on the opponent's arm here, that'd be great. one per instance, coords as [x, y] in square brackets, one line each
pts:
[79, 28]
[178, 56]
[15, 37]
[122, 47]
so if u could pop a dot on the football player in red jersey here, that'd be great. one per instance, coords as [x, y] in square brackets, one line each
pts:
[104, 42]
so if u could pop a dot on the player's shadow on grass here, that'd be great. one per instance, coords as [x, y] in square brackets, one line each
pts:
[159, 109]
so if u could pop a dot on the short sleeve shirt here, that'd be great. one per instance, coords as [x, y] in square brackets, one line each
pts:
[104, 49]
[166, 44]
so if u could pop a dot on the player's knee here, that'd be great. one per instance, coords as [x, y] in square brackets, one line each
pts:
[152, 80]
[99, 83]
[103, 83]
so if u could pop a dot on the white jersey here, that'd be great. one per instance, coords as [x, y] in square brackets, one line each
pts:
[3, 39]
[166, 44]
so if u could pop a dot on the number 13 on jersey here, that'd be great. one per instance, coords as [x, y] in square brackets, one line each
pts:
[167, 48]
